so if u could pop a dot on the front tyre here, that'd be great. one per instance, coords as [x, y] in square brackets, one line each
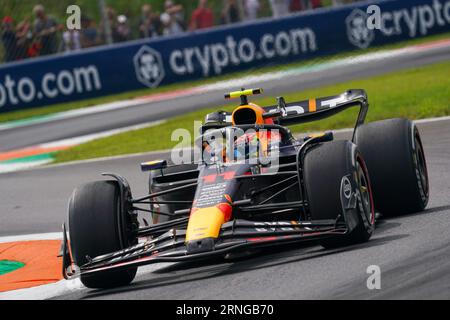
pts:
[326, 168]
[96, 227]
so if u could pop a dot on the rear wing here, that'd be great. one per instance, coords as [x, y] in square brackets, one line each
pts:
[303, 111]
[320, 108]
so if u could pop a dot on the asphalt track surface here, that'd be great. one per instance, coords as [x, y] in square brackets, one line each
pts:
[40, 133]
[413, 251]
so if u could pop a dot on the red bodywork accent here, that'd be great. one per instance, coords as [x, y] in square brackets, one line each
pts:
[262, 239]
[226, 209]
[213, 177]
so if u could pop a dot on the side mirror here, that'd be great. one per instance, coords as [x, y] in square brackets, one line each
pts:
[153, 165]
[281, 109]
[274, 114]
[217, 117]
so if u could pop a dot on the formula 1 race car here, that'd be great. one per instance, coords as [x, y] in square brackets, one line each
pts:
[254, 185]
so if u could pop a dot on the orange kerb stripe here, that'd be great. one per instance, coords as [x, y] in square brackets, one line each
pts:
[28, 152]
[42, 266]
[312, 105]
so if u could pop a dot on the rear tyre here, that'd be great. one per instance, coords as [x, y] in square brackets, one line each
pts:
[396, 161]
[325, 168]
[95, 229]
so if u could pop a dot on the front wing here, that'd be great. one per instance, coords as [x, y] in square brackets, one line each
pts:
[235, 235]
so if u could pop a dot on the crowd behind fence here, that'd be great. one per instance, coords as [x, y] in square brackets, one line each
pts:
[43, 31]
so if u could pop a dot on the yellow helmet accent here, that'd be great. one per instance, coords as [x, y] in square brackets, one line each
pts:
[248, 92]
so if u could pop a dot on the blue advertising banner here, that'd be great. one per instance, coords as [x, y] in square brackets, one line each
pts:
[152, 63]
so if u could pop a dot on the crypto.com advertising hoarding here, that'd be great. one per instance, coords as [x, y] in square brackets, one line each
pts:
[151, 63]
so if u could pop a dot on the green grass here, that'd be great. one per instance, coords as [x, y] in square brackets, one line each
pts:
[414, 93]
[47, 110]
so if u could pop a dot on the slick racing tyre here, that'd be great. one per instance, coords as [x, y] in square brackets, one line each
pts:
[95, 229]
[171, 177]
[328, 168]
[396, 162]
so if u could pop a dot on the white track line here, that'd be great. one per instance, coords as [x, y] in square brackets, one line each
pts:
[151, 154]
[89, 137]
[156, 152]
[35, 236]
[11, 167]
[435, 119]
[42, 292]
[6, 167]
[62, 287]
[74, 113]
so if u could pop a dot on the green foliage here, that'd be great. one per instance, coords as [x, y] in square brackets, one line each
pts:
[20, 9]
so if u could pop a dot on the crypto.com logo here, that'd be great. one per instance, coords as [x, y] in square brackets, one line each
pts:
[357, 32]
[148, 66]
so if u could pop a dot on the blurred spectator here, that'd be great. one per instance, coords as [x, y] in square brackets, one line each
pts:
[309, 4]
[230, 13]
[148, 24]
[45, 29]
[251, 9]
[88, 33]
[316, 4]
[24, 36]
[41, 38]
[71, 40]
[112, 21]
[9, 39]
[122, 30]
[296, 5]
[299, 5]
[172, 19]
[202, 17]
[341, 2]
[280, 8]
[27, 46]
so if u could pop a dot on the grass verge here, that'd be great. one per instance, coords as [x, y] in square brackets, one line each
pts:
[415, 93]
[43, 111]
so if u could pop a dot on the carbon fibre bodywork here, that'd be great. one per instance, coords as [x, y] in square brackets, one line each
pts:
[235, 206]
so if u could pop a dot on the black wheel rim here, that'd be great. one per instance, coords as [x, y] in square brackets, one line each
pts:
[420, 165]
[365, 191]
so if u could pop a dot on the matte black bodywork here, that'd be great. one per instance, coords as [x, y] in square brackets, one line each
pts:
[268, 209]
